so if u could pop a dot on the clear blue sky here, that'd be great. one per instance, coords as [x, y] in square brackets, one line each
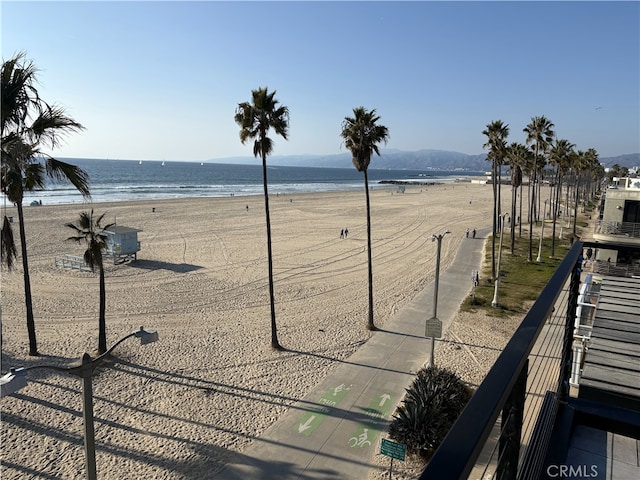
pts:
[161, 80]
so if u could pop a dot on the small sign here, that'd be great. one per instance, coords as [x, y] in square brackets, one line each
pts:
[433, 328]
[393, 449]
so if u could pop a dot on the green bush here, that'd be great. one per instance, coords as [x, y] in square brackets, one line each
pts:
[430, 407]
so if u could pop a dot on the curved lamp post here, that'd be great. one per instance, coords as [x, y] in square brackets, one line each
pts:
[435, 291]
[17, 379]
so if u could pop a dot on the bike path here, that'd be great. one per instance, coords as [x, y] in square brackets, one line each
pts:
[335, 430]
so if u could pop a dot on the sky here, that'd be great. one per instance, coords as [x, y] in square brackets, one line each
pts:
[162, 80]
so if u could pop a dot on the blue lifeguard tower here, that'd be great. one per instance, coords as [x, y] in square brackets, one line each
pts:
[122, 243]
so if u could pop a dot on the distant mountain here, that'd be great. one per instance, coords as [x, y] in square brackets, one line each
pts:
[629, 160]
[402, 160]
[394, 159]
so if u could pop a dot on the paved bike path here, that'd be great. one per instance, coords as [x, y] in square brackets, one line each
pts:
[334, 432]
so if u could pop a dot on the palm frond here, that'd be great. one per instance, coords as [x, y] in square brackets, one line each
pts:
[33, 176]
[361, 135]
[18, 95]
[51, 125]
[58, 170]
[9, 249]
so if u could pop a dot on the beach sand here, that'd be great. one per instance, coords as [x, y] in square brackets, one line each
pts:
[181, 407]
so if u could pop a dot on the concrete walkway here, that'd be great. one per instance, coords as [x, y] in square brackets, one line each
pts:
[335, 431]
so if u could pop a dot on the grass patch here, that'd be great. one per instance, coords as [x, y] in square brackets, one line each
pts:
[521, 281]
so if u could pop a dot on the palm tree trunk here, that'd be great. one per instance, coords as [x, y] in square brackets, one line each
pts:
[520, 217]
[274, 331]
[554, 204]
[495, 215]
[370, 324]
[514, 194]
[102, 321]
[531, 208]
[575, 211]
[31, 324]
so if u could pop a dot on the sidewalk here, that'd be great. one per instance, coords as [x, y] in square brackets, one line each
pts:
[334, 432]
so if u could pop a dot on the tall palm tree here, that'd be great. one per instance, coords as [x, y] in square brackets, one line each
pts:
[90, 230]
[540, 134]
[517, 156]
[584, 163]
[362, 134]
[559, 156]
[496, 133]
[255, 119]
[592, 173]
[27, 125]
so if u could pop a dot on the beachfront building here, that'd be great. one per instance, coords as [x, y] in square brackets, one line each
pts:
[618, 224]
[122, 243]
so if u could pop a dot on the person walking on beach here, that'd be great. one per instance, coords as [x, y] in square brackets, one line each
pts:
[474, 233]
[341, 233]
[346, 232]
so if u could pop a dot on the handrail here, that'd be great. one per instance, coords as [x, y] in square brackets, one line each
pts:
[460, 449]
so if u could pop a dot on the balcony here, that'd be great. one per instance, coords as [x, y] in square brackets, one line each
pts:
[618, 229]
[563, 398]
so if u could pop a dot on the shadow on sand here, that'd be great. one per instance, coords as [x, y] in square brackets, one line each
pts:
[156, 265]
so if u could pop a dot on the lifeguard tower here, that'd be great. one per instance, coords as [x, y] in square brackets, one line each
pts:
[122, 243]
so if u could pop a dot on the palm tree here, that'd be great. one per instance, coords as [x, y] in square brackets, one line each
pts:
[584, 162]
[559, 155]
[592, 173]
[27, 125]
[496, 133]
[539, 133]
[362, 134]
[517, 155]
[255, 119]
[91, 231]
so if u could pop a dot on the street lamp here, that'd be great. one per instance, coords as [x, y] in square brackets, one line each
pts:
[16, 379]
[496, 282]
[434, 317]
[544, 214]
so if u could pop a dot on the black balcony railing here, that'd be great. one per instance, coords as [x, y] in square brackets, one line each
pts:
[505, 429]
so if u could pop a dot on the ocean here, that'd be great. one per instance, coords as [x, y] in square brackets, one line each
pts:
[124, 180]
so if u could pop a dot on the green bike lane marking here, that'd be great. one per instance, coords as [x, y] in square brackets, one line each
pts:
[311, 420]
[366, 434]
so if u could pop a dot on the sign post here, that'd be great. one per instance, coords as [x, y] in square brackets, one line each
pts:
[433, 330]
[393, 450]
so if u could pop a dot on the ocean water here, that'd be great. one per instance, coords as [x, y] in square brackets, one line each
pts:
[124, 180]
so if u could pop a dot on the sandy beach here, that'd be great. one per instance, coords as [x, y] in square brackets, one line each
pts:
[181, 407]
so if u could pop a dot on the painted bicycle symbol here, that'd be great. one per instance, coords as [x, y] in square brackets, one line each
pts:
[360, 441]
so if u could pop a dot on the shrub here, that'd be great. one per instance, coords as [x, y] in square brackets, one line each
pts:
[430, 407]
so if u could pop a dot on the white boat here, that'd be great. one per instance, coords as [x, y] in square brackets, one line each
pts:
[163, 163]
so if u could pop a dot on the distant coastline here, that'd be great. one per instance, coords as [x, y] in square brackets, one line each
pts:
[131, 180]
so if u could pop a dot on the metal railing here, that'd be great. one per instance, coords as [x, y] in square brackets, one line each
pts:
[505, 429]
[623, 229]
[71, 261]
[614, 269]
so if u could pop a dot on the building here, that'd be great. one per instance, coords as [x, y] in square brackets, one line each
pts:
[618, 224]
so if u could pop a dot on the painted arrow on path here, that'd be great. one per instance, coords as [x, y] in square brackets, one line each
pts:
[313, 418]
[306, 425]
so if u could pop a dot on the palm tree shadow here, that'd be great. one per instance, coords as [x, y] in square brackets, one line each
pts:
[157, 265]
